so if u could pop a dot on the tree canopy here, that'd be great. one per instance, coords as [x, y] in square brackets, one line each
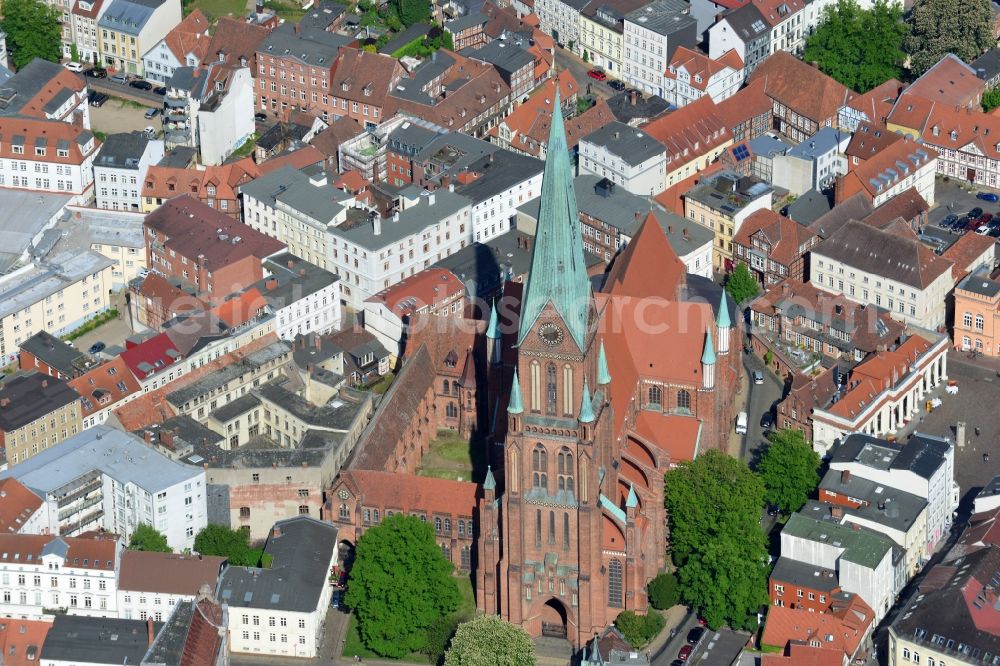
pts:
[234, 544]
[412, 11]
[788, 469]
[639, 630]
[939, 27]
[714, 504]
[33, 31]
[663, 592]
[741, 284]
[488, 640]
[147, 538]
[400, 585]
[861, 48]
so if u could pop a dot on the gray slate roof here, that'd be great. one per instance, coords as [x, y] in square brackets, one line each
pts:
[298, 573]
[27, 83]
[315, 48]
[664, 17]
[97, 640]
[293, 188]
[129, 16]
[631, 145]
[747, 22]
[465, 22]
[980, 283]
[507, 55]
[411, 221]
[501, 171]
[922, 454]
[122, 151]
[52, 351]
[809, 207]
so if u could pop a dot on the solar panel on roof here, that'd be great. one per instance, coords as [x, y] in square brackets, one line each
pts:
[247, 597]
[741, 152]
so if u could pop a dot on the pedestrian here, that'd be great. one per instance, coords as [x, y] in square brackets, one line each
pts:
[986, 457]
[977, 431]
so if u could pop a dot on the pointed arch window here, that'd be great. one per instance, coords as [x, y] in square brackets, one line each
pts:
[345, 513]
[683, 400]
[615, 583]
[451, 411]
[540, 467]
[655, 397]
[536, 386]
[567, 390]
[564, 469]
[455, 388]
[446, 551]
[550, 388]
[466, 558]
[565, 531]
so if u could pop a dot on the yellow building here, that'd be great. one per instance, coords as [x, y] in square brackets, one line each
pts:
[720, 203]
[57, 296]
[36, 411]
[602, 25]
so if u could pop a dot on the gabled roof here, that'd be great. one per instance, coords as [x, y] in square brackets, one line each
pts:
[417, 293]
[788, 240]
[168, 573]
[877, 102]
[700, 67]
[966, 252]
[869, 139]
[801, 87]
[235, 39]
[105, 385]
[151, 356]
[786, 624]
[408, 492]
[190, 36]
[887, 168]
[690, 132]
[17, 506]
[38, 86]
[364, 77]
[97, 553]
[21, 641]
[648, 267]
[950, 82]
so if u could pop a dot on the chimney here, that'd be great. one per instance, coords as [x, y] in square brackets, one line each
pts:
[297, 29]
[855, 527]
[632, 97]
[146, 435]
[302, 272]
[670, 228]
[271, 284]
[685, 232]
[291, 264]
[845, 476]
[276, 531]
[431, 198]
[638, 216]
[167, 438]
[837, 512]
[45, 383]
[150, 635]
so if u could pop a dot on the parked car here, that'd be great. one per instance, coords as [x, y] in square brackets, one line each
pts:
[987, 196]
[677, 662]
[685, 653]
[260, 117]
[985, 218]
[766, 420]
[120, 78]
[616, 85]
[741, 423]
[994, 232]
[947, 221]
[975, 212]
[151, 113]
[139, 84]
[160, 90]
[74, 67]
[983, 230]
[597, 75]
[758, 377]
[695, 635]
[98, 99]
[150, 131]
[772, 510]
[97, 348]
[96, 73]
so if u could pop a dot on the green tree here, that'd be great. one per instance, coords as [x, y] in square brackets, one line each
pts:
[788, 469]
[741, 285]
[638, 630]
[33, 31]
[412, 11]
[991, 99]
[861, 48]
[939, 27]
[400, 586]
[663, 592]
[222, 541]
[714, 504]
[147, 538]
[74, 52]
[488, 640]
[586, 56]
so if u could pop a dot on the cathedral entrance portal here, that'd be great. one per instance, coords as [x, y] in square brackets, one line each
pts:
[554, 622]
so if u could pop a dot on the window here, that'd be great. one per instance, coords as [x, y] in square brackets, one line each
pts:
[550, 388]
[564, 469]
[539, 467]
[451, 410]
[655, 397]
[538, 527]
[615, 584]
[565, 531]
[567, 390]
[344, 513]
[244, 512]
[979, 322]
[683, 400]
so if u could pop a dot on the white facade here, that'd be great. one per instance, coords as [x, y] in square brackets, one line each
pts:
[699, 260]
[812, 165]
[84, 31]
[752, 49]
[561, 20]
[228, 124]
[684, 82]
[115, 482]
[650, 37]
[495, 216]
[118, 185]
[646, 178]
[922, 179]
[142, 605]
[25, 167]
[920, 307]
[258, 631]
[31, 589]
[160, 62]
[939, 489]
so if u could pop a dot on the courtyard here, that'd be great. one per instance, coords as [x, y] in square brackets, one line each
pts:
[451, 456]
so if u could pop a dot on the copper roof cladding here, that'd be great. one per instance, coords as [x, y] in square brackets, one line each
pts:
[195, 231]
[168, 573]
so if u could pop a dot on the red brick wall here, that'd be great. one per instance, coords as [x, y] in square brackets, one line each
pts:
[790, 597]
[27, 361]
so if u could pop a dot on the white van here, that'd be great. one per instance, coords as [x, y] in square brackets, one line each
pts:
[74, 67]
[741, 423]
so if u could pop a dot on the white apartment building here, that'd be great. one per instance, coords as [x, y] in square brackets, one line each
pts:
[282, 610]
[303, 297]
[744, 31]
[866, 562]
[56, 295]
[892, 171]
[924, 466]
[116, 235]
[561, 19]
[626, 156]
[84, 16]
[120, 169]
[868, 265]
[692, 75]
[511, 180]
[46, 91]
[814, 164]
[652, 34]
[185, 45]
[47, 156]
[367, 253]
[108, 479]
[150, 585]
[41, 574]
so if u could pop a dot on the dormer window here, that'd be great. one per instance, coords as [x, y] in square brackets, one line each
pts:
[40, 152]
[345, 86]
[935, 130]
[697, 78]
[62, 152]
[211, 190]
[368, 90]
[17, 150]
[954, 135]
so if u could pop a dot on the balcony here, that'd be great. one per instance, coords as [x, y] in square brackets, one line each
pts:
[86, 504]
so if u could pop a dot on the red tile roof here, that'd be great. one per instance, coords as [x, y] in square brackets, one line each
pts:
[648, 267]
[788, 239]
[190, 36]
[801, 654]
[748, 102]
[786, 624]
[240, 309]
[690, 131]
[204, 639]
[17, 505]
[168, 573]
[297, 159]
[154, 355]
[193, 229]
[51, 132]
[172, 299]
[21, 641]
[878, 373]
[94, 552]
[801, 87]
[105, 385]
[236, 39]
[63, 80]
[427, 288]
[678, 436]
[698, 64]
[870, 139]
[966, 252]
[950, 82]
[877, 102]
[408, 492]
[776, 11]
[861, 177]
[368, 77]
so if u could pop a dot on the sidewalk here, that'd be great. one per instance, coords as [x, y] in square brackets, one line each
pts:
[675, 618]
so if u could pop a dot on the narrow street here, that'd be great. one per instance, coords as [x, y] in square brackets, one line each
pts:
[578, 68]
[763, 398]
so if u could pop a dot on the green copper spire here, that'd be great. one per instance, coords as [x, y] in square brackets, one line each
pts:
[603, 376]
[489, 483]
[558, 273]
[516, 404]
[723, 320]
[633, 499]
[493, 332]
[708, 356]
[586, 407]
